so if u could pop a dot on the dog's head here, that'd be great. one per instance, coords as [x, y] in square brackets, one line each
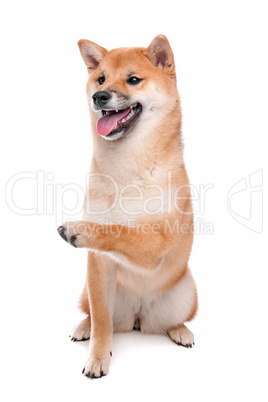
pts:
[129, 88]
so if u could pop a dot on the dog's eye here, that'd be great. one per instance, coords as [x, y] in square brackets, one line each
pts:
[134, 80]
[101, 80]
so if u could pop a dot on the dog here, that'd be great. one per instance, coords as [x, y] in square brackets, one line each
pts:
[137, 222]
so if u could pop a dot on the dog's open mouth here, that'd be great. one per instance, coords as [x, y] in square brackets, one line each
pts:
[114, 121]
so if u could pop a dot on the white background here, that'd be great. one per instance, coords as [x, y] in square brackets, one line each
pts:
[221, 57]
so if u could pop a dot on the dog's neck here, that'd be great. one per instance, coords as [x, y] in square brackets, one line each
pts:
[128, 156]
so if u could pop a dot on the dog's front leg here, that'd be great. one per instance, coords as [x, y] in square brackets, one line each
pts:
[101, 283]
[139, 247]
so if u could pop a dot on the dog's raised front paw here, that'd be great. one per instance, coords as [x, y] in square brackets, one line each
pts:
[75, 233]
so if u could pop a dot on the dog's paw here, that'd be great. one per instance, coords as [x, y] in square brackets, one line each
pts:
[97, 367]
[81, 332]
[75, 233]
[182, 336]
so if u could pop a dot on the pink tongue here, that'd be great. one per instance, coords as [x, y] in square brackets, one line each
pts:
[107, 123]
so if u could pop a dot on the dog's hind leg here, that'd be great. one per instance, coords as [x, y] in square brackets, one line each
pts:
[84, 301]
[81, 332]
[182, 336]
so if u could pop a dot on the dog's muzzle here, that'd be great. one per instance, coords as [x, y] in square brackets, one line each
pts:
[101, 98]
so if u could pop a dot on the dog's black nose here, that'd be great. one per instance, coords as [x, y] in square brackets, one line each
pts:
[100, 98]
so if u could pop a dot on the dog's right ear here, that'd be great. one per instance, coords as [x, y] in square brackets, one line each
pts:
[91, 53]
[161, 56]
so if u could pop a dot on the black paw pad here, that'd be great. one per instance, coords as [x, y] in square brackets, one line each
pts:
[61, 231]
[72, 241]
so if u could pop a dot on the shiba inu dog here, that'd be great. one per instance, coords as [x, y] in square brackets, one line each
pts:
[137, 222]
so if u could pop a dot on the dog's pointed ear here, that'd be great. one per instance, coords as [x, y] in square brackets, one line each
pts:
[91, 53]
[160, 54]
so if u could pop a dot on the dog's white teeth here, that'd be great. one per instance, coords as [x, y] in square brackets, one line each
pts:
[131, 113]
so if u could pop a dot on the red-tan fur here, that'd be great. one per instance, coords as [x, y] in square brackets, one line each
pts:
[135, 265]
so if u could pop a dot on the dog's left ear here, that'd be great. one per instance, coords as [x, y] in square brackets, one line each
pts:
[160, 54]
[91, 53]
